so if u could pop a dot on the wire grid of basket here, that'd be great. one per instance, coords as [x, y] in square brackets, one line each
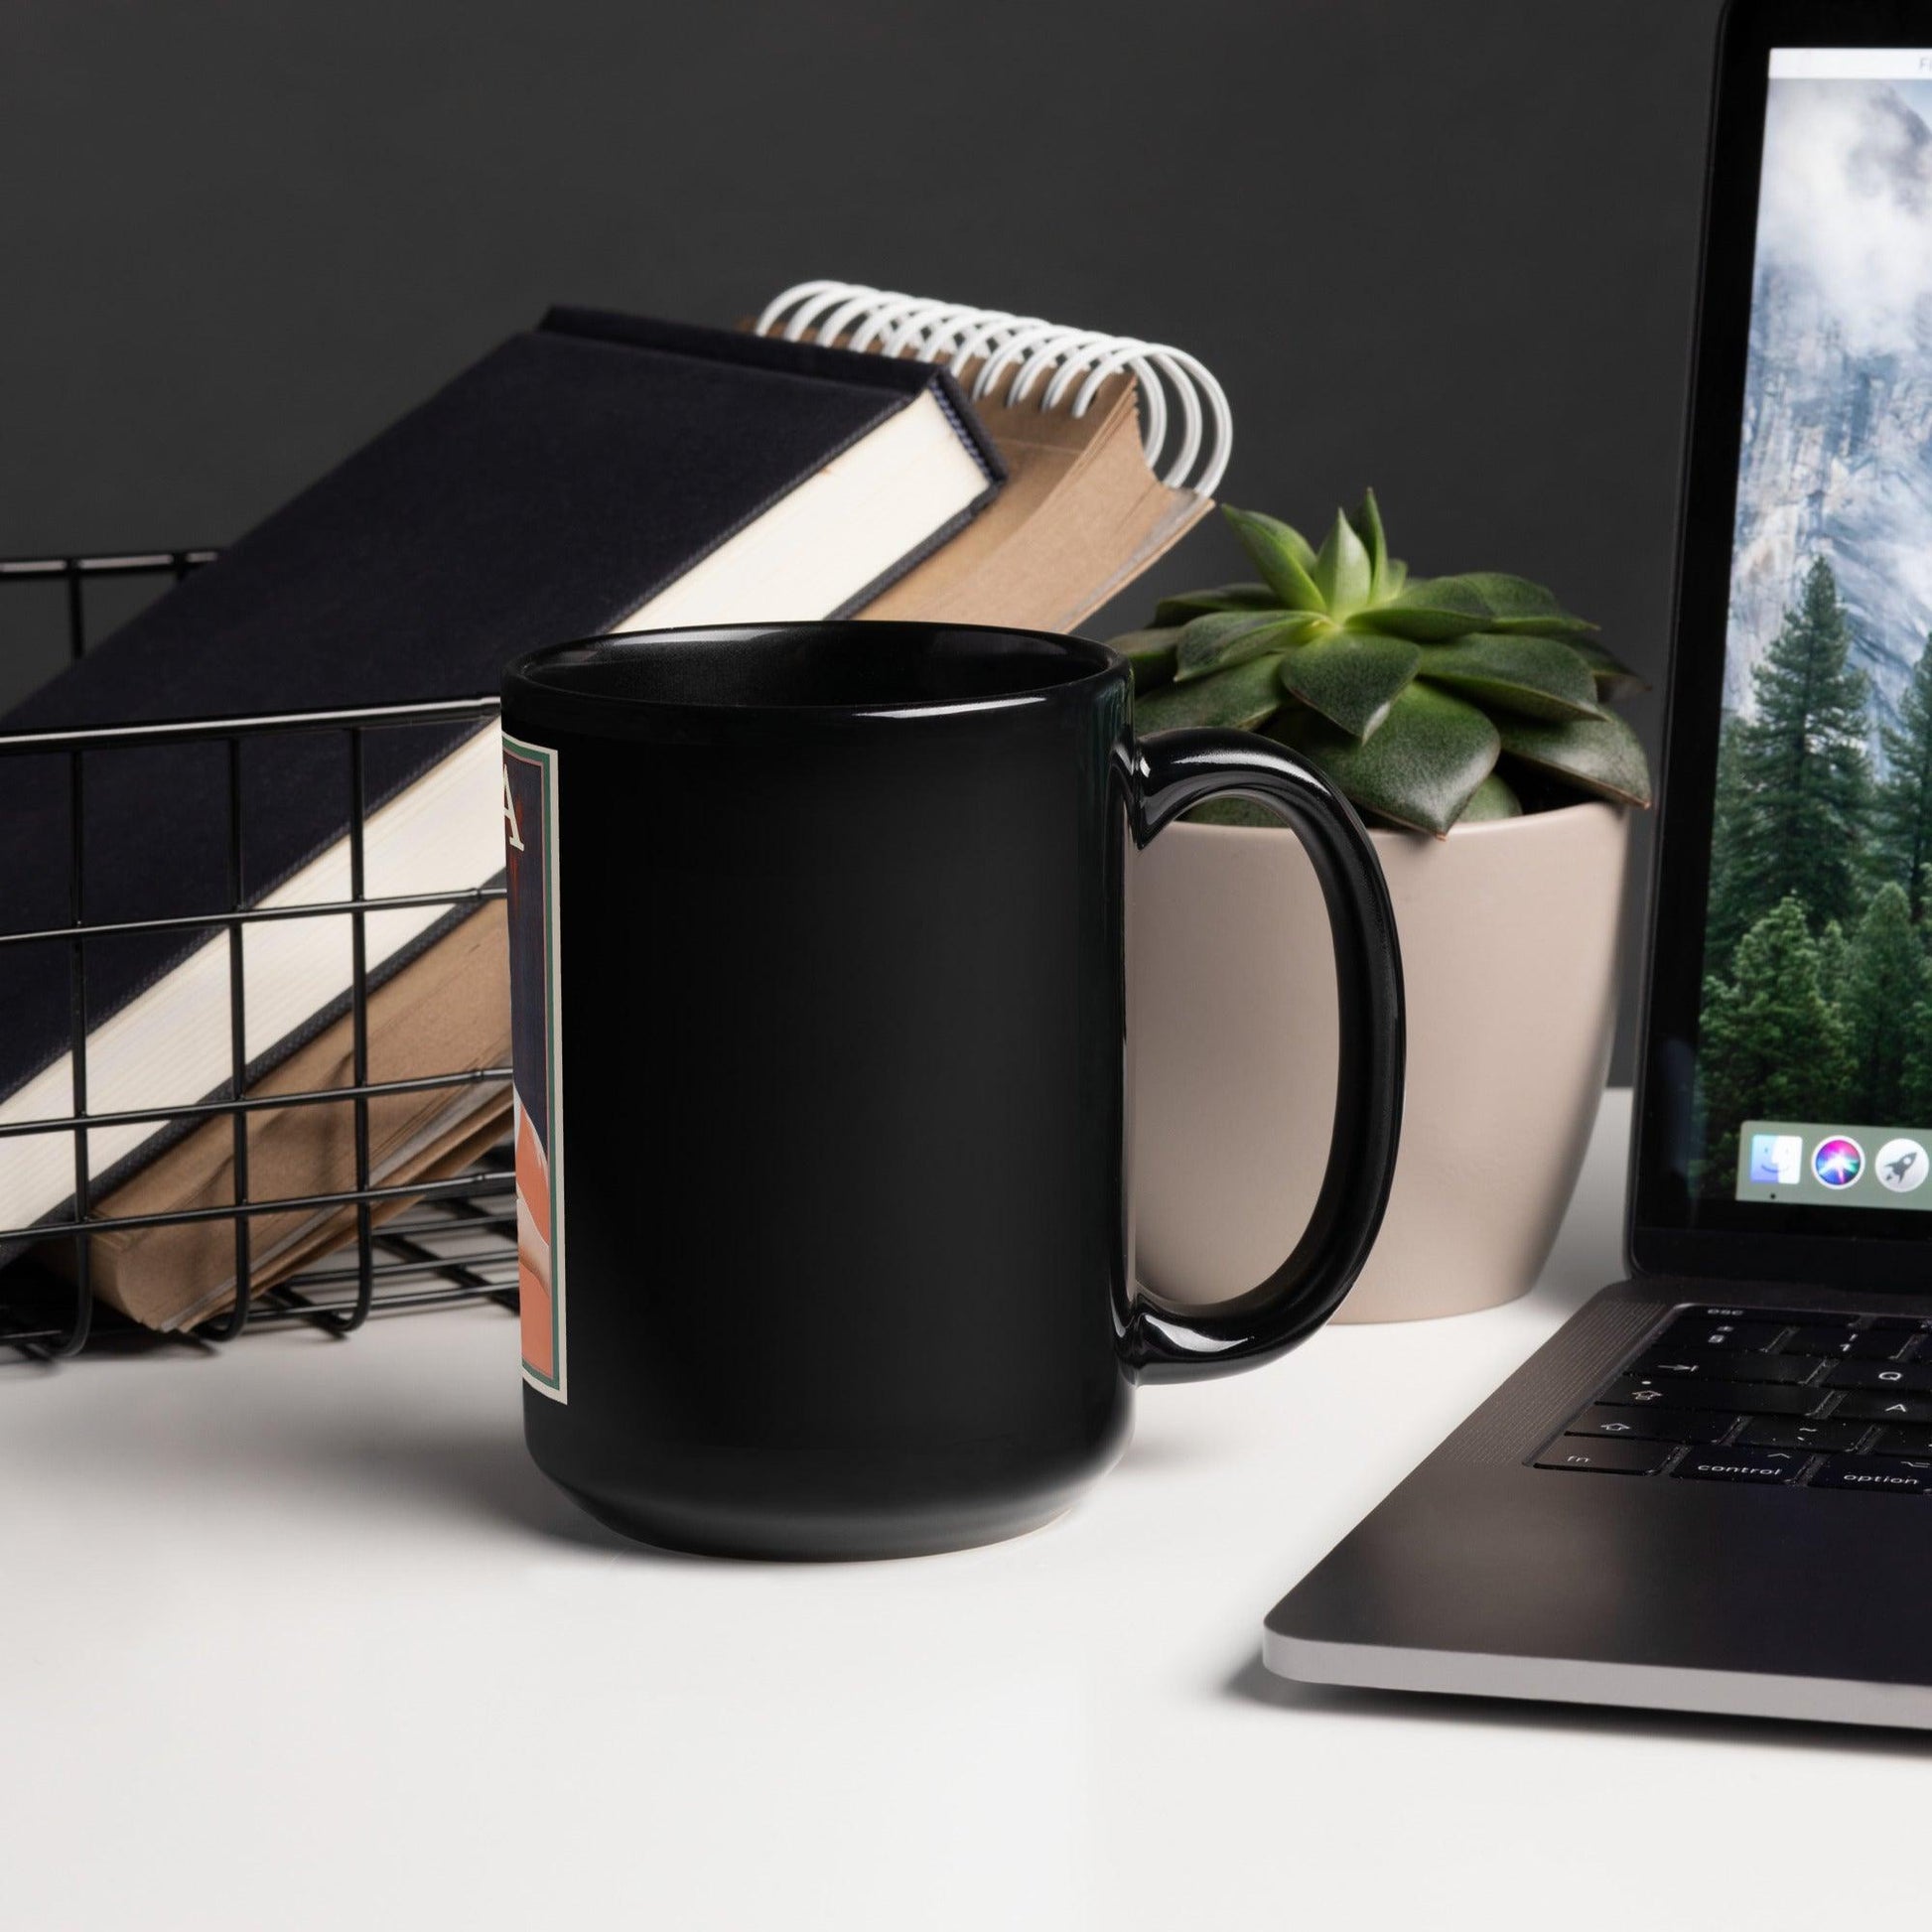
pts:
[457, 1243]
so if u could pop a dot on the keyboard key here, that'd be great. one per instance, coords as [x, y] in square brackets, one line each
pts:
[1724, 1366]
[1884, 1472]
[1879, 1375]
[1848, 1344]
[1699, 1330]
[1653, 1425]
[1881, 1345]
[1606, 1458]
[1876, 1406]
[1777, 1432]
[1799, 1395]
[1836, 1339]
[1748, 1398]
[1742, 1466]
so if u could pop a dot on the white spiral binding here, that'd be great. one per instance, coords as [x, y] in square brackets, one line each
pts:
[1030, 355]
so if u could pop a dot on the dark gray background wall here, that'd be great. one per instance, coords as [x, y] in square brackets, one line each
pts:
[1442, 246]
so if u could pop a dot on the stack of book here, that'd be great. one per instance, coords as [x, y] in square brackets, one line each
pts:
[855, 453]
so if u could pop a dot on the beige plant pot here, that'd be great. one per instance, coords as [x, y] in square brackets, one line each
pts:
[1509, 953]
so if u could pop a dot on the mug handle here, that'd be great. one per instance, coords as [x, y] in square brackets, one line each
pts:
[1168, 773]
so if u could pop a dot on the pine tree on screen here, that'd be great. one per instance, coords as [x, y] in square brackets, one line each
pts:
[1798, 784]
[1918, 1062]
[1834, 956]
[1901, 809]
[1772, 1045]
[1884, 993]
[1724, 926]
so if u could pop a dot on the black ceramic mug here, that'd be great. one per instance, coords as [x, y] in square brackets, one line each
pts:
[817, 973]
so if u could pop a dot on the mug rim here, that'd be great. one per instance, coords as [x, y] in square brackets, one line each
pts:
[543, 678]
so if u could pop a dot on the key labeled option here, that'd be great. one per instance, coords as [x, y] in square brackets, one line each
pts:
[1892, 1475]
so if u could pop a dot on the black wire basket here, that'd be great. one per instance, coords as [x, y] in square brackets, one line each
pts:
[456, 1244]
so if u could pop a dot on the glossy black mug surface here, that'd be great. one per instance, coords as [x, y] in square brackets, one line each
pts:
[817, 967]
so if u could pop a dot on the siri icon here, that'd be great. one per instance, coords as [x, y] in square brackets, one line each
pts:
[1838, 1162]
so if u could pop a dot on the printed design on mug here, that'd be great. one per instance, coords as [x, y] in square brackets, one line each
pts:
[530, 849]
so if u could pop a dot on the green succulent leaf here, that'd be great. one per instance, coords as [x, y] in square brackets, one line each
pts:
[1281, 554]
[1342, 572]
[1224, 597]
[1490, 799]
[1150, 653]
[1224, 637]
[1518, 603]
[1514, 671]
[1420, 769]
[1276, 533]
[1433, 609]
[1238, 698]
[1615, 678]
[1408, 692]
[1368, 527]
[1351, 677]
[1600, 755]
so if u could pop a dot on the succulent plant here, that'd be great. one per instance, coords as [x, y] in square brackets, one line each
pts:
[1430, 702]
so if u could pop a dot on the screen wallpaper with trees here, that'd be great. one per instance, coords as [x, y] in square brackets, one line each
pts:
[1817, 1000]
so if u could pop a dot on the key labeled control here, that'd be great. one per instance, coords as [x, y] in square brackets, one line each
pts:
[1742, 1466]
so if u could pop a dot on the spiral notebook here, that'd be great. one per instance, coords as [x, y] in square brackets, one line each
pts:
[1113, 447]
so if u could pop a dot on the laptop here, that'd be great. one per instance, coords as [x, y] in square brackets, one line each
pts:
[1711, 1489]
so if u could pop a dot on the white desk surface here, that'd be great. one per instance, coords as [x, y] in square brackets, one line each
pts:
[294, 1636]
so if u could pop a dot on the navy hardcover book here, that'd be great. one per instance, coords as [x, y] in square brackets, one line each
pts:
[594, 470]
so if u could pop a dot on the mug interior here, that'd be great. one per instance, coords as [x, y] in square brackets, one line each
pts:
[848, 666]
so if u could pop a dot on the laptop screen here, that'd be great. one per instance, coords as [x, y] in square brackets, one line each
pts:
[1812, 1078]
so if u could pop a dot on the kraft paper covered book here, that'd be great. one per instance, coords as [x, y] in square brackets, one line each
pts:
[1113, 447]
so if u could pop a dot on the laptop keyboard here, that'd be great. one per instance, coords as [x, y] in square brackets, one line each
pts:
[1731, 1394]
